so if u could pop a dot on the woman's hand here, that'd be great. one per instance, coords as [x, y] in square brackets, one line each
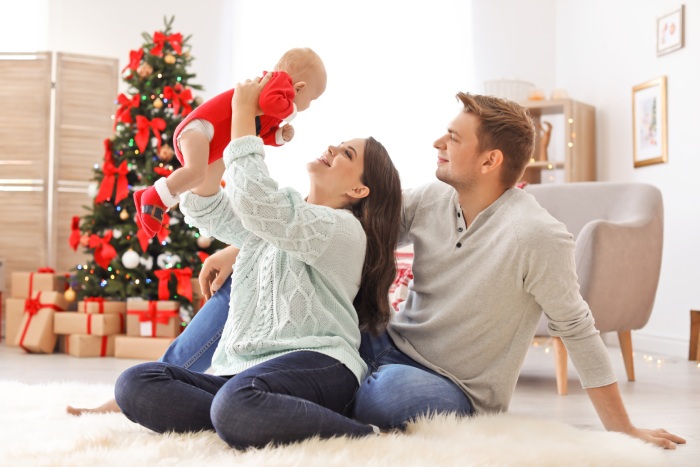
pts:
[216, 269]
[245, 106]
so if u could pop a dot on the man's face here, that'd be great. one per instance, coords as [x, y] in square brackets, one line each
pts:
[458, 152]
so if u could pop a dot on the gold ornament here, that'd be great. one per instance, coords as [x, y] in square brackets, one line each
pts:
[170, 59]
[158, 103]
[69, 295]
[124, 215]
[144, 70]
[166, 153]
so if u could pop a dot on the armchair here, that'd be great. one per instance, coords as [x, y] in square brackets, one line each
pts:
[618, 230]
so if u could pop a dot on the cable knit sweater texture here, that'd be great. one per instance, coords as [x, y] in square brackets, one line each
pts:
[297, 273]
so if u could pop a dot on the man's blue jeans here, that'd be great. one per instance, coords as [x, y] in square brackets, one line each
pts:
[399, 389]
[286, 399]
[194, 348]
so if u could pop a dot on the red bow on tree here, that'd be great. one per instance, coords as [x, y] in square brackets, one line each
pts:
[113, 176]
[135, 57]
[162, 171]
[144, 126]
[123, 113]
[74, 239]
[179, 97]
[160, 39]
[161, 235]
[184, 282]
[104, 251]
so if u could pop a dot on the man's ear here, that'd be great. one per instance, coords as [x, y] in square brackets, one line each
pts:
[493, 159]
[358, 192]
[299, 86]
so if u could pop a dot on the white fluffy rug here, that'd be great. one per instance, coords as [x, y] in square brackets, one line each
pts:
[36, 431]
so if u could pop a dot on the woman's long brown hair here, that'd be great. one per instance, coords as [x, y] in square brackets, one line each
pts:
[380, 216]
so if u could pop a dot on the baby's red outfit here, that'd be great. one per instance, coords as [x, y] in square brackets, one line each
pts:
[276, 102]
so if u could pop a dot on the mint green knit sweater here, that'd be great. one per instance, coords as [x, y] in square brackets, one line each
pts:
[297, 273]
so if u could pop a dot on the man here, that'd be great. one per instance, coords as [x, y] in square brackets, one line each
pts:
[488, 261]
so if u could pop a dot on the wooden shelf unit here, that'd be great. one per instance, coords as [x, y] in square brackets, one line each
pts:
[571, 150]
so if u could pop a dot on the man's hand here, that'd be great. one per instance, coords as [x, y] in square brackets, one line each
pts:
[287, 132]
[216, 269]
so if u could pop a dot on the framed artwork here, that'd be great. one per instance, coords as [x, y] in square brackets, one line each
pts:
[649, 122]
[669, 32]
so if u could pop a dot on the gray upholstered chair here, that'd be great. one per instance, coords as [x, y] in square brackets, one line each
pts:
[618, 229]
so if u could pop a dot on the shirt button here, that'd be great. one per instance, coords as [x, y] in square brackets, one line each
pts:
[459, 245]
[460, 229]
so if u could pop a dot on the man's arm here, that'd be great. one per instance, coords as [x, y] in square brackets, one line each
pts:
[611, 411]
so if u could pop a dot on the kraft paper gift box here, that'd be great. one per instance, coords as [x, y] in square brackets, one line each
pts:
[35, 333]
[154, 318]
[24, 282]
[14, 309]
[144, 348]
[79, 345]
[70, 322]
[101, 306]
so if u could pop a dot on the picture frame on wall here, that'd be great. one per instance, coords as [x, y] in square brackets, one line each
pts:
[649, 122]
[670, 31]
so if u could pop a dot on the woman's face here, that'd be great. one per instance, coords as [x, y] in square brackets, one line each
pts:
[339, 169]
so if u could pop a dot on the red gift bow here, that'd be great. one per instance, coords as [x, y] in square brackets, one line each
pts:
[32, 307]
[135, 57]
[143, 130]
[99, 300]
[113, 175]
[153, 315]
[123, 113]
[74, 239]
[184, 284]
[179, 97]
[160, 39]
[104, 252]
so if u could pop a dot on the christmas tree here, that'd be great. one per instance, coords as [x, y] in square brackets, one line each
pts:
[125, 262]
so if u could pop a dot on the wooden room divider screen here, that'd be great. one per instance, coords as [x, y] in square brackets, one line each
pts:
[52, 130]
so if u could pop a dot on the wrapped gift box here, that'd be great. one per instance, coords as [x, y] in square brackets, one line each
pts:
[101, 306]
[155, 318]
[70, 322]
[144, 348]
[14, 309]
[24, 282]
[35, 332]
[79, 345]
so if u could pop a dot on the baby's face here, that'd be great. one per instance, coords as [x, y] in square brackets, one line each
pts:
[314, 87]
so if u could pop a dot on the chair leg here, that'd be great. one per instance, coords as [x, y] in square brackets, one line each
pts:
[560, 360]
[625, 338]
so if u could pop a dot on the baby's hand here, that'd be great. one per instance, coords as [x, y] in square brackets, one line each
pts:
[287, 132]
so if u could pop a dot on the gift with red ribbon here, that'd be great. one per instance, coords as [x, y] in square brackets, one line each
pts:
[113, 176]
[143, 131]
[160, 39]
[143, 348]
[98, 305]
[152, 318]
[25, 284]
[36, 334]
[81, 345]
[89, 324]
[180, 98]
[104, 251]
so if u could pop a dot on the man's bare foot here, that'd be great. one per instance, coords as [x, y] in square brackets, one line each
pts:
[108, 407]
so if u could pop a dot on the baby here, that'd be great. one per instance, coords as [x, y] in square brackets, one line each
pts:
[200, 139]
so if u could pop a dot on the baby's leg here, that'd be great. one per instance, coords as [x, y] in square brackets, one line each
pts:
[194, 147]
[212, 180]
[108, 407]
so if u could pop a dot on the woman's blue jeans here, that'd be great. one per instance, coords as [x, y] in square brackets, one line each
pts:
[397, 390]
[286, 399]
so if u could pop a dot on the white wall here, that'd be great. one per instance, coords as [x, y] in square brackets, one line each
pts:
[604, 48]
[394, 68]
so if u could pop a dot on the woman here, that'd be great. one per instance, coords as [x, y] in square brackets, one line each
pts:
[309, 276]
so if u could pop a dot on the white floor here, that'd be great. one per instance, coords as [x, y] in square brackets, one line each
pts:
[666, 393]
